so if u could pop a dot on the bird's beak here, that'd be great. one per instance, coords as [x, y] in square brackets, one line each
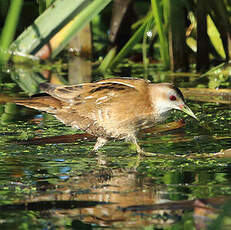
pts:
[188, 111]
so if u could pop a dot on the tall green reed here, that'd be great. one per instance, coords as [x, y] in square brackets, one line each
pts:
[9, 29]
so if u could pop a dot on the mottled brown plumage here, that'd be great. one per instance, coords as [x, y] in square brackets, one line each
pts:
[111, 108]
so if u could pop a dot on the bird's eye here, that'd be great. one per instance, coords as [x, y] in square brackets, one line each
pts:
[172, 98]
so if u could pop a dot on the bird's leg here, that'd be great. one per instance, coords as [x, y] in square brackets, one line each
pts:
[132, 138]
[140, 151]
[100, 143]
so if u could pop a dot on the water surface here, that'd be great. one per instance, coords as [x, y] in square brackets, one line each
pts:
[187, 185]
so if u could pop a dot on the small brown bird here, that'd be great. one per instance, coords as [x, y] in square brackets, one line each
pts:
[110, 109]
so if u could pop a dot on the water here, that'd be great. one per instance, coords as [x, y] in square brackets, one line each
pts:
[65, 186]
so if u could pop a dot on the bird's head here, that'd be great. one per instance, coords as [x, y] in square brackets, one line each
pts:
[166, 96]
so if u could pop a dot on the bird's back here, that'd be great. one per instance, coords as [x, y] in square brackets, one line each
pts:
[111, 107]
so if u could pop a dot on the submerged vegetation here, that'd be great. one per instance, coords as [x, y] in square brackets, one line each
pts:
[175, 33]
[47, 169]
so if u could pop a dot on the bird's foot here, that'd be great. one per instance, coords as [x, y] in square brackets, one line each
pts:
[101, 160]
[142, 153]
[99, 156]
[148, 154]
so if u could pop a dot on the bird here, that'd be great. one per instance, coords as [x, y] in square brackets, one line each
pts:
[115, 108]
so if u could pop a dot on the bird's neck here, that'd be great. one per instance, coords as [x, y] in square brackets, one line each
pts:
[156, 92]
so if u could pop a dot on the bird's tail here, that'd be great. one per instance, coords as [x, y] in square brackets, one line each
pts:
[43, 103]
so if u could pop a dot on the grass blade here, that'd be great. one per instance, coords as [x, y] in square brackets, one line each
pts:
[137, 36]
[157, 14]
[9, 28]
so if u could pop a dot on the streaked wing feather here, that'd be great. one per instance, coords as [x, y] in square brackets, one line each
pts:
[98, 92]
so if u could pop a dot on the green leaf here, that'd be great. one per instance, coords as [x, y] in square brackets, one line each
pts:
[9, 28]
[214, 36]
[157, 14]
[65, 19]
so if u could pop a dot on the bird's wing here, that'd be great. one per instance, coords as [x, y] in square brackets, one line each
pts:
[98, 92]
[112, 105]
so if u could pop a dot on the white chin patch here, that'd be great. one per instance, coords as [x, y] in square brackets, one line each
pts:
[161, 108]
